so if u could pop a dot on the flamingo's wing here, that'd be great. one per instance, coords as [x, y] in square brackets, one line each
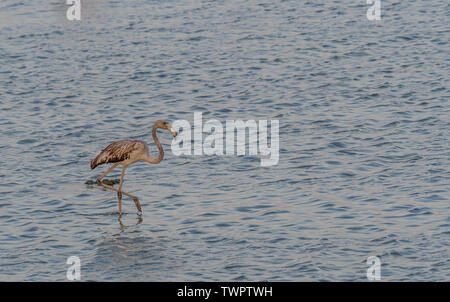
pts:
[117, 152]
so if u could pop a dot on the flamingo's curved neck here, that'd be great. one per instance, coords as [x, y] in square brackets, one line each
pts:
[160, 148]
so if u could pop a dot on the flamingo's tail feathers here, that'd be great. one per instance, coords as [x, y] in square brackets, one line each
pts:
[96, 161]
[93, 164]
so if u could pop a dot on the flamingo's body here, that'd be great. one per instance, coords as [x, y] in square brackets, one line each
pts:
[127, 152]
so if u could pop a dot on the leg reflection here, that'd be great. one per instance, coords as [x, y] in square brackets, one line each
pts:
[122, 226]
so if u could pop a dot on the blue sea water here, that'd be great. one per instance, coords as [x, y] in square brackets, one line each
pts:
[364, 118]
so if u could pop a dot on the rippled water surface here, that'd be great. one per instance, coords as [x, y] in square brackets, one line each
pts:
[364, 140]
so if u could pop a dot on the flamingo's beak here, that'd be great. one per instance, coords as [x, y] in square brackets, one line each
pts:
[174, 133]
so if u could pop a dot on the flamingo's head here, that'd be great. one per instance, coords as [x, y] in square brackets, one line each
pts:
[165, 125]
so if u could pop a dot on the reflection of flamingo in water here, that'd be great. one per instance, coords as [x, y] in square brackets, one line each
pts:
[127, 152]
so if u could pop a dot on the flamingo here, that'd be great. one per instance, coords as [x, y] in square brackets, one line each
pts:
[127, 152]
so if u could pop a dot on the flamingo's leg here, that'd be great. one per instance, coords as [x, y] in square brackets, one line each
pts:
[99, 180]
[119, 192]
[120, 207]
[114, 189]
[138, 205]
